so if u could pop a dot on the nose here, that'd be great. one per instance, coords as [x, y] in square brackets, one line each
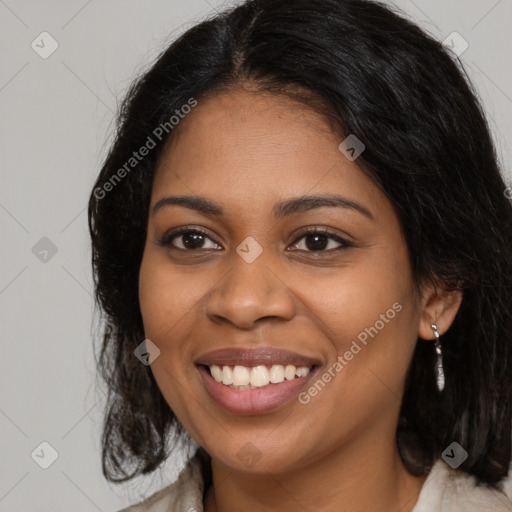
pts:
[249, 293]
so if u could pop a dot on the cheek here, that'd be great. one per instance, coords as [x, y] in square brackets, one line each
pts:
[166, 303]
[166, 297]
[172, 302]
[369, 313]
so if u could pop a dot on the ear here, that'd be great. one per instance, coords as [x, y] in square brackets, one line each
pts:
[438, 306]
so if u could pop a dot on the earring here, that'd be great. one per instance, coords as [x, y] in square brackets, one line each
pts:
[439, 371]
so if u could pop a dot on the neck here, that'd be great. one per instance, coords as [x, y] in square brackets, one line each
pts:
[355, 479]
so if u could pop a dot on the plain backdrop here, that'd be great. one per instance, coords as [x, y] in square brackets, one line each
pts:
[56, 116]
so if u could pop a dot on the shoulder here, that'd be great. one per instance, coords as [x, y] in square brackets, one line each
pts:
[451, 490]
[184, 495]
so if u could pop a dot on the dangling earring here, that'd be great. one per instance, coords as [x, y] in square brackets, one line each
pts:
[439, 371]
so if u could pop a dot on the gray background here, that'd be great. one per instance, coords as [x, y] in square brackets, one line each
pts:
[56, 122]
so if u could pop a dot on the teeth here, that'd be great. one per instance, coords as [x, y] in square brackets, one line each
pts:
[301, 371]
[243, 377]
[227, 375]
[289, 372]
[259, 376]
[216, 372]
[276, 373]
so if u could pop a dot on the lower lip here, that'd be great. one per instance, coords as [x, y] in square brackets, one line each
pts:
[253, 401]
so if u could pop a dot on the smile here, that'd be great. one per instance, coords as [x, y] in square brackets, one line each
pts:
[245, 377]
[255, 380]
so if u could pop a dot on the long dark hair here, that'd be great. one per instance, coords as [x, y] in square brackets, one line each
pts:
[428, 147]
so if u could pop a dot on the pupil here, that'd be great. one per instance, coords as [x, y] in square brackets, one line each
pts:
[317, 244]
[313, 242]
[192, 238]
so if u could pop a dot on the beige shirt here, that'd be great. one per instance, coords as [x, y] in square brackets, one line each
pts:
[444, 490]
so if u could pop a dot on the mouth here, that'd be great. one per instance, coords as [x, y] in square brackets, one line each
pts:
[254, 381]
[256, 377]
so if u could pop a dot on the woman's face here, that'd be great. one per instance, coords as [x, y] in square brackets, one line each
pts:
[255, 284]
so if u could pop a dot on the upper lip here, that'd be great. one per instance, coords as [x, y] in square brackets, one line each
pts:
[254, 357]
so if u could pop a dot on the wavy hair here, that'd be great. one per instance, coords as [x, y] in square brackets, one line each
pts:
[428, 147]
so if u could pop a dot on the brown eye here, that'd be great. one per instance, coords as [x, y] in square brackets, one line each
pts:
[188, 239]
[320, 240]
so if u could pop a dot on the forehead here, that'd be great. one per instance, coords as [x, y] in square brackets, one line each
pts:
[246, 147]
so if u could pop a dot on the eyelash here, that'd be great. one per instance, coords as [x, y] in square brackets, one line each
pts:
[166, 240]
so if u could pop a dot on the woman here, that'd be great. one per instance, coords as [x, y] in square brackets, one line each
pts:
[302, 249]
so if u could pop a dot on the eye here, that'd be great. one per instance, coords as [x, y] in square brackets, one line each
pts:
[187, 239]
[318, 240]
[193, 239]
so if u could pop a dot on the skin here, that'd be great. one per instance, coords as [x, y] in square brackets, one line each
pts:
[247, 151]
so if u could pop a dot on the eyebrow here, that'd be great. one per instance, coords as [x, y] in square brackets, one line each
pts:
[280, 210]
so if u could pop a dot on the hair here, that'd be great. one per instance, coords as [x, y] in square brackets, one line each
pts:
[428, 147]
